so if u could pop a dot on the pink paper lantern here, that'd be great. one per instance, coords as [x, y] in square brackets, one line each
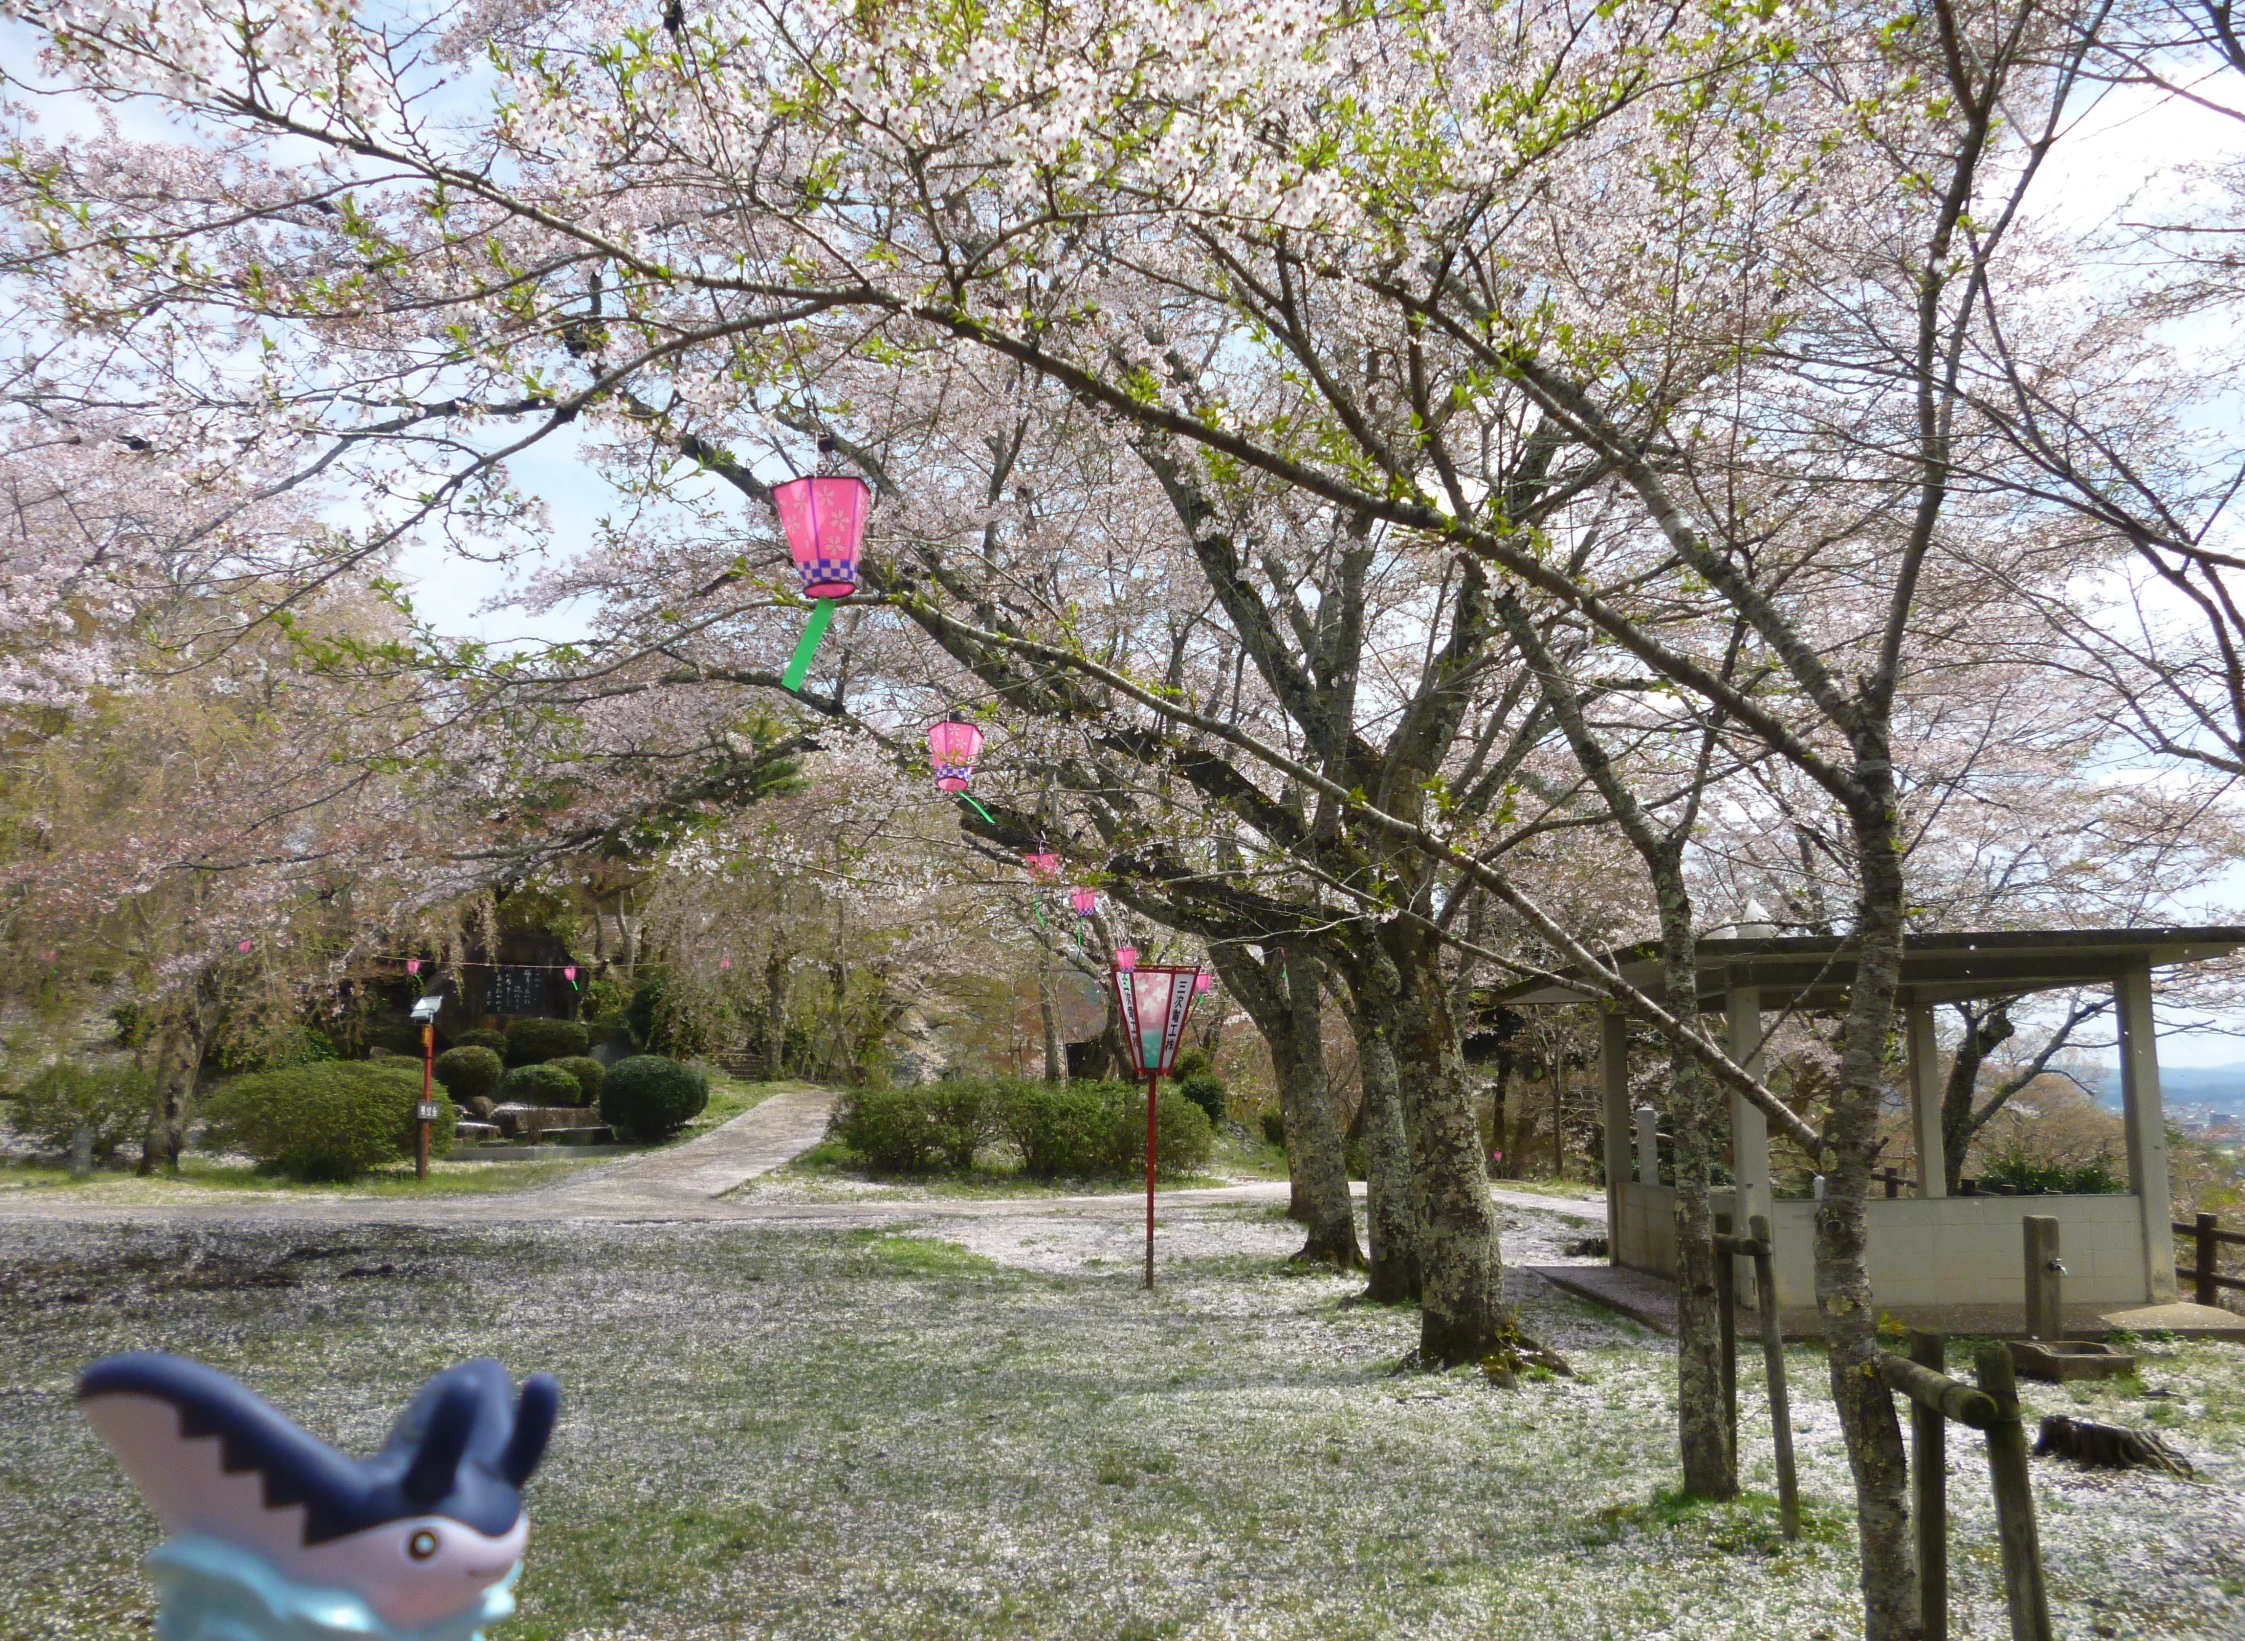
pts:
[413, 965]
[243, 945]
[1126, 958]
[954, 744]
[1041, 865]
[1084, 901]
[825, 523]
[569, 972]
[1201, 982]
[724, 963]
[1155, 1005]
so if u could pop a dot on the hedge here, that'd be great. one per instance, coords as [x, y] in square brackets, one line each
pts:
[1077, 1130]
[648, 1096]
[535, 1041]
[468, 1072]
[481, 1037]
[333, 1120]
[540, 1085]
[586, 1070]
[111, 1098]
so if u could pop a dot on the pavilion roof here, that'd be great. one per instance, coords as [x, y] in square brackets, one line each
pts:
[1815, 972]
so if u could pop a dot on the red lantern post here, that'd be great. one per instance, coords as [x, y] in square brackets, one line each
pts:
[1155, 1004]
[825, 523]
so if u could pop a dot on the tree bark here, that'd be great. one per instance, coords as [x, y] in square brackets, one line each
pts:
[775, 1013]
[1056, 1064]
[179, 1055]
[1984, 1032]
[1391, 1206]
[1843, 1290]
[1703, 1428]
[1462, 1313]
[1323, 1176]
[1287, 1013]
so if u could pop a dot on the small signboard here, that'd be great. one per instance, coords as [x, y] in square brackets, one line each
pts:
[429, 1112]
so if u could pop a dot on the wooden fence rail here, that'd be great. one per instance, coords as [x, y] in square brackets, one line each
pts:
[2208, 1238]
[1992, 1407]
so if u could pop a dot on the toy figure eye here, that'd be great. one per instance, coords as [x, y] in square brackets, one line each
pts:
[421, 1545]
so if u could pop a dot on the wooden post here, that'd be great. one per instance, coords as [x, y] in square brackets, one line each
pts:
[1925, 1099]
[1929, 1478]
[1726, 1306]
[2015, 1499]
[2045, 1315]
[1773, 1361]
[2204, 1288]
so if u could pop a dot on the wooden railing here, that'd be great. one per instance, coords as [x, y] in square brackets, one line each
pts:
[2204, 1274]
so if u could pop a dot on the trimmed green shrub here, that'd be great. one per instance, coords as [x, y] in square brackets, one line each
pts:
[481, 1037]
[334, 1120]
[1206, 1090]
[534, 1041]
[918, 1130]
[648, 1096]
[1080, 1130]
[588, 1072]
[468, 1072]
[1191, 1063]
[540, 1085]
[1274, 1125]
[111, 1098]
[1062, 1130]
[1184, 1141]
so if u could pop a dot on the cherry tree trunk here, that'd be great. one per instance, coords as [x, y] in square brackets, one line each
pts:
[1313, 1133]
[1462, 1313]
[1391, 1211]
[1843, 1288]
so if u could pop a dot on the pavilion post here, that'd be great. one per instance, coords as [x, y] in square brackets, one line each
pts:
[2146, 1120]
[1925, 1101]
[1742, 1010]
[1613, 1067]
[1648, 1146]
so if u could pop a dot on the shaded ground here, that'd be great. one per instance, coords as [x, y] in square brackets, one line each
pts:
[976, 1425]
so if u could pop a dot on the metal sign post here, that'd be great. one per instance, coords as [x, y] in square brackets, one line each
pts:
[425, 1010]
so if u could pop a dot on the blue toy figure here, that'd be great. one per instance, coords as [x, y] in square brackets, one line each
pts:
[275, 1536]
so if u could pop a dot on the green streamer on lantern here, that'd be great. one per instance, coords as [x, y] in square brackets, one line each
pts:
[799, 664]
[978, 809]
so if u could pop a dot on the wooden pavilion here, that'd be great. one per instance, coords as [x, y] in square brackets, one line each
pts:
[1927, 1249]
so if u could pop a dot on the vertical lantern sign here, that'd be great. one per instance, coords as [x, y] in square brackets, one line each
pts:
[825, 523]
[1155, 1002]
[953, 746]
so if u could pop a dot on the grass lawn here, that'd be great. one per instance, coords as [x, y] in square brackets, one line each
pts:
[774, 1433]
[210, 1179]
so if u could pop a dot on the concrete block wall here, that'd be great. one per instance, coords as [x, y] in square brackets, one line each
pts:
[1927, 1251]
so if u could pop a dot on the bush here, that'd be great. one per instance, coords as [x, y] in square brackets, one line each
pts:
[495, 1041]
[1206, 1090]
[468, 1072]
[1274, 1126]
[586, 1070]
[112, 1098]
[2014, 1166]
[540, 1085]
[1184, 1141]
[334, 1120]
[648, 1097]
[1078, 1130]
[534, 1041]
[1062, 1130]
[917, 1130]
[1192, 1063]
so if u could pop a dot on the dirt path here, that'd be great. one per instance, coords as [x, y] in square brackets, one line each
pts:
[694, 1181]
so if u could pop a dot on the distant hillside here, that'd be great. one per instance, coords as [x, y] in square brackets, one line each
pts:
[2220, 1088]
